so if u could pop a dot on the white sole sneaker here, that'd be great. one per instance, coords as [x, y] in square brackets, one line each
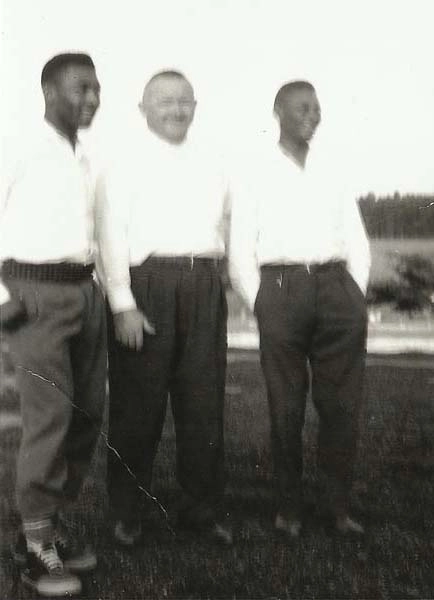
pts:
[51, 586]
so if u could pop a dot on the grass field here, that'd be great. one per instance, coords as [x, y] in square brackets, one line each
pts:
[393, 497]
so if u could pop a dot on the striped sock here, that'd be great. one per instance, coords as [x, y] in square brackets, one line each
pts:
[40, 531]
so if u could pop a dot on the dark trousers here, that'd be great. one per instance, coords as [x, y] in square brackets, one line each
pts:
[59, 353]
[320, 317]
[187, 358]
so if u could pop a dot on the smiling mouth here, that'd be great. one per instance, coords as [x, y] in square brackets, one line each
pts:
[87, 113]
[309, 130]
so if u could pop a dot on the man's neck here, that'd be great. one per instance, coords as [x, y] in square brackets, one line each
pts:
[295, 149]
[169, 141]
[68, 134]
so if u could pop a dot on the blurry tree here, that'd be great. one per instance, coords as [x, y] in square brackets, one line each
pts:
[413, 288]
[410, 216]
[416, 275]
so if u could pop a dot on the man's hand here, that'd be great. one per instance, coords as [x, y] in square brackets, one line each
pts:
[12, 313]
[129, 327]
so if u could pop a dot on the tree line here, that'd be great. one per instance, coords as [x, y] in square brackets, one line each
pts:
[406, 216]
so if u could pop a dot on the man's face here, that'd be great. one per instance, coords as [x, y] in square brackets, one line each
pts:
[300, 114]
[169, 105]
[74, 96]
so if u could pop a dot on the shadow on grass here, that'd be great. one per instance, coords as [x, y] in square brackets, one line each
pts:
[393, 496]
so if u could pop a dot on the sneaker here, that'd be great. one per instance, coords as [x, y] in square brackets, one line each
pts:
[45, 573]
[126, 534]
[76, 557]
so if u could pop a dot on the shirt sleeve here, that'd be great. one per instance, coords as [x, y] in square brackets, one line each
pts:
[9, 173]
[111, 227]
[243, 263]
[224, 222]
[356, 244]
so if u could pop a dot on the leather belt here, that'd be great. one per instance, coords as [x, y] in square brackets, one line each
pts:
[310, 267]
[64, 272]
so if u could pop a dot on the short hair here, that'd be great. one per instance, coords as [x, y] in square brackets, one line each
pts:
[289, 88]
[165, 73]
[59, 62]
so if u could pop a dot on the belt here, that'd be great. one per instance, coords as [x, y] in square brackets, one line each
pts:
[310, 267]
[64, 272]
[181, 262]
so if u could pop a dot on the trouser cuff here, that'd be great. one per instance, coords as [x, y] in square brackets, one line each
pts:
[39, 530]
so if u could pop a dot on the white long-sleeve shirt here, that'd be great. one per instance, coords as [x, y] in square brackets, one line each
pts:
[282, 213]
[46, 202]
[159, 199]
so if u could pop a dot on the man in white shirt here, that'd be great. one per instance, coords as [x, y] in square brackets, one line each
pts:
[162, 241]
[53, 316]
[300, 258]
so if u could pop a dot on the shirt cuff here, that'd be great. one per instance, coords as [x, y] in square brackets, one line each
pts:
[121, 299]
[4, 294]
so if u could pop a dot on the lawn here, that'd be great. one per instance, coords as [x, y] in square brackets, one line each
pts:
[393, 497]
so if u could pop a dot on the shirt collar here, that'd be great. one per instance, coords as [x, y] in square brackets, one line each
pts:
[58, 137]
[288, 159]
[159, 143]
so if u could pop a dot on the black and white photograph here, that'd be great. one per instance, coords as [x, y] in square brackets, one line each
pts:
[216, 299]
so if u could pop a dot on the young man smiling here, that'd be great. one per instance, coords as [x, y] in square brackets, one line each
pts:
[52, 314]
[299, 257]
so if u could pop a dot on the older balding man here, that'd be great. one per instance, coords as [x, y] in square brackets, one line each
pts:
[162, 244]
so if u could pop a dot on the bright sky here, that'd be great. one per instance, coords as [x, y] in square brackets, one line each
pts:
[371, 62]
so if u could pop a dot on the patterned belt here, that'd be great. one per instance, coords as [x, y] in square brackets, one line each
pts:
[64, 272]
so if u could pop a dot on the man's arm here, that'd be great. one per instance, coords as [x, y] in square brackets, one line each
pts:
[5, 186]
[11, 307]
[357, 244]
[243, 264]
[113, 260]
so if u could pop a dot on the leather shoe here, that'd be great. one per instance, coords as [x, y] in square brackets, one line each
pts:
[345, 525]
[220, 534]
[213, 531]
[290, 528]
[127, 535]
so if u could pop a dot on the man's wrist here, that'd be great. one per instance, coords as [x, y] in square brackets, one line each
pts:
[4, 294]
[121, 300]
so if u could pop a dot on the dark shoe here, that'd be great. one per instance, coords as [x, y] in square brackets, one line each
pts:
[252, 530]
[76, 557]
[45, 573]
[289, 527]
[211, 530]
[127, 534]
[19, 551]
[221, 534]
[345, 525]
